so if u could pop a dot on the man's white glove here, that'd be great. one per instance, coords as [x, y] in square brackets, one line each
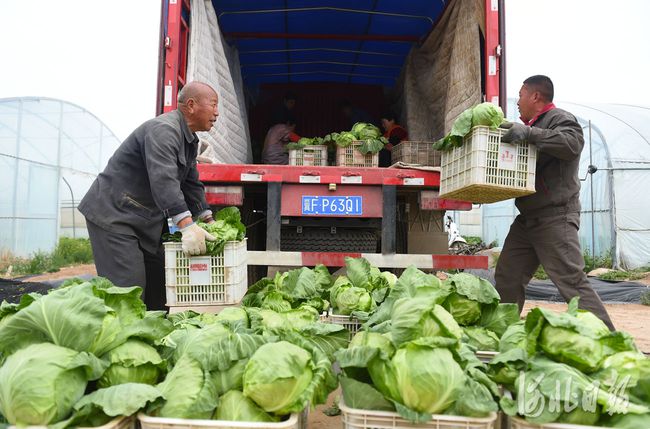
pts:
[193, 239]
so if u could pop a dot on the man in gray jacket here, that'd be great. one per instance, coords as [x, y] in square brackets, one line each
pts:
[151, 177]
[546, 230]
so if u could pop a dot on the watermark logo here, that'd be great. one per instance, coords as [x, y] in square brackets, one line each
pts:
[566, 395]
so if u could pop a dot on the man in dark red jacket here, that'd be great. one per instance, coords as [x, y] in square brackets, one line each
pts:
[546, 230]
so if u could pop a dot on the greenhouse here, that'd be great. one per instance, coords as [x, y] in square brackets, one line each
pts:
[50, 153]
[615, 216]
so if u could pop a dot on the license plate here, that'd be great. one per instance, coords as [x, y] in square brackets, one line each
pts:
[332, 205]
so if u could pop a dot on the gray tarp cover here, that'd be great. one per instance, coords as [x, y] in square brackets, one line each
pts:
[609, 292]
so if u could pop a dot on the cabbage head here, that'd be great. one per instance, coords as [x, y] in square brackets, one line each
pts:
[423, 378]
[276, 376]
[350, 298]
[365, 131]
[234, 406]
[39, 384]
[465, 311]
[132, 362]
[488, 114]
[414, 318]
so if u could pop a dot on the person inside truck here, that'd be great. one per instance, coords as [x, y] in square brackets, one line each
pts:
[285, 111]
[546, 230]
[394, 133]
[274, 150]
[354, 114]
[151, 177]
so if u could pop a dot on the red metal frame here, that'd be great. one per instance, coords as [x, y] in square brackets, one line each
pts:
[175, 69]
[292, 198]
[492, 52]
[232, 173]
[429, 200]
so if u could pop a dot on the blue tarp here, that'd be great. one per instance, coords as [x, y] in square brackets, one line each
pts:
[268, 57]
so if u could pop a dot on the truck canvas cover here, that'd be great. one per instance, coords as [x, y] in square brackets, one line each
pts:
[427, 53]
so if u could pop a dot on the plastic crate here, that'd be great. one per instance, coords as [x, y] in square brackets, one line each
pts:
[348, 322]
[315, 155]
[353, 418]
[519, 423]
[351, 157]
[416, 152]
[295, 421]
[206, 280]
[119, 422]
[486, 356]
[486, 170]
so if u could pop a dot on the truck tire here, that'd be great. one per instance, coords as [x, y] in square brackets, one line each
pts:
[320, 240]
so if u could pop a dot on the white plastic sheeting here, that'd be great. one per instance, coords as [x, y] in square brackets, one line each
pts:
[212, 61]
[615, 200]
[50, 153]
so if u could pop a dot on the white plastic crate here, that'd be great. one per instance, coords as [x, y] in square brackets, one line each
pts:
[486, 356]
[206, 280]
[295, 421]
[348, 322]
[351, 157]
[519, 423]
[353, 418]
[486, 170]
[415, 152]
[315, 155]
[119, 422]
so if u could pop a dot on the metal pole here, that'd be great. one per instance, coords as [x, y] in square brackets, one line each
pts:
[74, 235]
[591, 190]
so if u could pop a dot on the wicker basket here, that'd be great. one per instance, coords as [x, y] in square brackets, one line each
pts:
[486, 170]
[350, 157]
[315, 155]
[416, 152]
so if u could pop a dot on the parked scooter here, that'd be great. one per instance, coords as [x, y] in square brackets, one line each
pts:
[454, 237]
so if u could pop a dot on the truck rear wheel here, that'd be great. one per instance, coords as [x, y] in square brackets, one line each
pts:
[322, 240]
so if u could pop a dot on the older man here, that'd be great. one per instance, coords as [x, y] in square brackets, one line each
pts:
[151, 177]
[546, 230]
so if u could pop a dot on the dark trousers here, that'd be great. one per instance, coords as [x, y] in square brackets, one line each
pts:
[552, 241]
[120, 259]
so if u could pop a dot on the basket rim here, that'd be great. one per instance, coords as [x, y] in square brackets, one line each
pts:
[292, 421]
[492, 418]
[522, 421]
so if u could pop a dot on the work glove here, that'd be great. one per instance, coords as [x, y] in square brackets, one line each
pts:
[516, 132]
[193, 239]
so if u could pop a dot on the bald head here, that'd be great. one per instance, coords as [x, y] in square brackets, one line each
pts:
[196, 90]
[198, 102]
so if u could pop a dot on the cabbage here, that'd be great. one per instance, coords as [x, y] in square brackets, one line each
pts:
[414, 318]
[40, 383]
[423, 378]
[465, 311]
[277, 375]
[487, 114]
[234, 406]
[350, 298]
[132, 362]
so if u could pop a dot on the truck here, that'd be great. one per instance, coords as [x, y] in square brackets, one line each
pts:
[427, 61]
